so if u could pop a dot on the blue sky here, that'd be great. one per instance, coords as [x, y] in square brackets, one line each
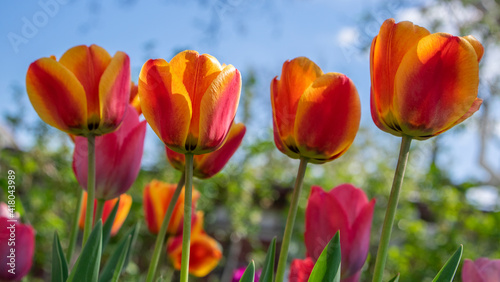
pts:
[252, 35]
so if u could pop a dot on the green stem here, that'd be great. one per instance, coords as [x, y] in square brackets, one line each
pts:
[160, 238]
[186, 230]
[74, 228]
[391, 209]
[290, 221]
[89, 215]
[99, 209]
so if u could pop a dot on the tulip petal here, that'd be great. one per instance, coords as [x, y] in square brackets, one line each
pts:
[320, 208]
[356, 246]
[57, 96]
[177, 160]
[165, 103]
[122, 213]
[197, 73]
[114, 92]
[88, 64]
[300, 270]
[324, 132]
[386, 53]
[435, 85]
[296, 76]
[351, 199]
[218, 108]
[24, 249]
[470, 273]
[478, 47]
[208, 165]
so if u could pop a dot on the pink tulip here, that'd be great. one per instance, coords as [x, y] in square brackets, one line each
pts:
[17, 245]
[118, 157]
[345, 209]
[481, 270]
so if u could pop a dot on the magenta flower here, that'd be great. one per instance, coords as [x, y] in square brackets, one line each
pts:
[17, 246]
[345, 208]
[481, 270]
[118, 157]
[238, 273]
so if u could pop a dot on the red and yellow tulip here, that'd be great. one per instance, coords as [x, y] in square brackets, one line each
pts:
[422, 84]
[205, 252]
[207, 165]
[121, 213]
[315, 115]
[190, 102]
[156, 198]
[85, 93]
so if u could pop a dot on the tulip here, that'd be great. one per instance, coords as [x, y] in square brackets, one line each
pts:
[84, 93]
[315, 116]
[345, 209]
[207, 165]
[190, 102]
[481, 270]
[156, 198]
[300, 270]
[15, 265]
[205, 252]
[118, 159]
[121, 213]
[422, 84]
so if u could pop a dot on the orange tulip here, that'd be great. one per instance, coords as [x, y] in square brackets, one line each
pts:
[121, 213]
[422, 84]
[205, 252]
[207, 165]
[190, 102]
[315, 116]
[84, 93]
[156, 198]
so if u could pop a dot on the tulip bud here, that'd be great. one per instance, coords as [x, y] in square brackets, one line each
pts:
[85, 93]
[118, 157]
[345, 209]
[190, 102]
[422, 84]
[315, 116]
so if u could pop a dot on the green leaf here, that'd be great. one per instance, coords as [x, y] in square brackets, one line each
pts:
[106, 230]
[447, 273]
[86, 268]
[327, 267]
[267, 274]
[395, 278]
[59, 264]
[249, 274]
[121, 260]
[113, 262]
